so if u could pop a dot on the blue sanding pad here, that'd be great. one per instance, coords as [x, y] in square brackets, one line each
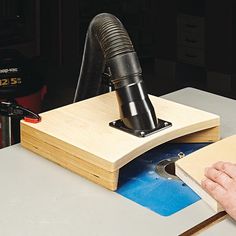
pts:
[139, 181]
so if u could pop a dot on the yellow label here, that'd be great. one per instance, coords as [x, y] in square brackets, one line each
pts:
[10, 81]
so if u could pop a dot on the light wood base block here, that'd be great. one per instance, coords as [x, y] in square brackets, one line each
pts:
[204, 136]
[91, 172]
[192, 167]
[79, 138]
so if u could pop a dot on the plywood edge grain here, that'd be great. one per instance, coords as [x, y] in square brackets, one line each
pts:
[75, 151]
[204, 136]
[78, 136]
[200, 129]
[196, 187]
[191, 168]
[91, 172]
[82, 129]
[212, 132]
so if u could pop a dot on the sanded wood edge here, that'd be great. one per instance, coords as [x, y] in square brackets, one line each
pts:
[203, 136]
[39, 135]
[197, 188]
[93, 173]
[116, 165]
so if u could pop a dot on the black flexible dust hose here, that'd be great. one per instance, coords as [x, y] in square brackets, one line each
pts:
[108, 45]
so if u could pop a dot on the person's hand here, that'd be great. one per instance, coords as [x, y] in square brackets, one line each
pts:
[220, 183]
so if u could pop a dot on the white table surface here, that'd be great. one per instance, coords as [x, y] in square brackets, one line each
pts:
[38, 197]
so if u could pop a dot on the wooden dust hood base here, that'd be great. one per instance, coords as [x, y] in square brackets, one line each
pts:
[79, 138]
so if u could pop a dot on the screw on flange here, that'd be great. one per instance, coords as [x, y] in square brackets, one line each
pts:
[166, 123]
[181, 155]
[142, 133]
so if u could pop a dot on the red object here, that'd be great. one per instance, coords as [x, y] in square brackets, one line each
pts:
[32, 102]
[32, 120]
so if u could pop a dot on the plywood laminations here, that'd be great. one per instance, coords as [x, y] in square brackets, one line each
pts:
[191, 168]
[78, 136]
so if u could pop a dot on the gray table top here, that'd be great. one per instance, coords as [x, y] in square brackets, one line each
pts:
[38, 197]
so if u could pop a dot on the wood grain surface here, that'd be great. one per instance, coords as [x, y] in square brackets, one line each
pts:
[191, 168]
[81, 131]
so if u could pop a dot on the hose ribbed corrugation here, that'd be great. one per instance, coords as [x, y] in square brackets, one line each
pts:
[113, 37]
[108, 46]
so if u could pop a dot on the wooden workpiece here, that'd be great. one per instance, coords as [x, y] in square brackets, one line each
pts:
[79, 138]
[191, 168]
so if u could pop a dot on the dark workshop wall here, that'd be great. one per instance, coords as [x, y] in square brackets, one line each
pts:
[19, 26]
[179, 42]
[199, 50]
